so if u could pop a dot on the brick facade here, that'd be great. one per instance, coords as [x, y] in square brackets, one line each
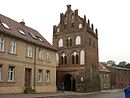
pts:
[119, 77]
[77, 45]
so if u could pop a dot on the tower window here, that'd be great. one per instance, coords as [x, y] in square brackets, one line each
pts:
[78, 40]
[60, 44]
[69, 41]
[80, 26]
[75, 58]
[63, 58]
[82, 57]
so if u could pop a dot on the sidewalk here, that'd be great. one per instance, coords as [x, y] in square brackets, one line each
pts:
[113, 90]
[44, 95]
[58, 93]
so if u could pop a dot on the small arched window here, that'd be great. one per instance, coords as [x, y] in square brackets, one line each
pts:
[75, 58]
[80, 26]
[63, 58]
[69, 41]
[58, 30]
[82, 57]
[78, 40]
[60, 44]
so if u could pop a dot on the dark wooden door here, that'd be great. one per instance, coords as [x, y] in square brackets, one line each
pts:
[28, 72]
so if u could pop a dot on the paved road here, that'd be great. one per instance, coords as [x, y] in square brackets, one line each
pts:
[67, 95]
[96, 95]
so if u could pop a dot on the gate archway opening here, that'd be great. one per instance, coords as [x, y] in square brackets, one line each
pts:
[69, 82]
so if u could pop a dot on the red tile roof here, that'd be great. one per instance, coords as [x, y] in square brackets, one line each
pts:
[15, 29]
[103, 68]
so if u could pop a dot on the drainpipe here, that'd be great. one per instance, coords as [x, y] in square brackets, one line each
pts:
[34, 83]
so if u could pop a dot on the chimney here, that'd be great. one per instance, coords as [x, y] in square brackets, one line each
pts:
[68, 6]
[22, 22]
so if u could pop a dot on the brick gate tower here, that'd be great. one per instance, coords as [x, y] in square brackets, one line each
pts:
[77, 43]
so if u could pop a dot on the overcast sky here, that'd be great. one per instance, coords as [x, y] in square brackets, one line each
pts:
[110, 17]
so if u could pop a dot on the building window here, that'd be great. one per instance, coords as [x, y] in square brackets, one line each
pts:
[78, 40]
[11, 73]
[82, 57]
[40, 75]
[40, 53]
[75, 58]
[80, 26]
[63, 58]
[5, 25]
[29, 51]
[60, 43]
[13, 46]
[47, 76]
[1, 43]
[0, 72]
[58, 30]
[22, 32]
[69, 41]
[48, 56]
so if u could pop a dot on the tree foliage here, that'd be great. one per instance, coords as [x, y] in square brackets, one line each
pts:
[123, 64]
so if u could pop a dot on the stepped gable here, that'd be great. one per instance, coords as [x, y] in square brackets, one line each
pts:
[70, 18]
[21, 31]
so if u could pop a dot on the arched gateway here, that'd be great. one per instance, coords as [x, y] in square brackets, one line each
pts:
[69, 82]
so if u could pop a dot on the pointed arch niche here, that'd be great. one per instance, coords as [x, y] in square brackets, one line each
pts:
[82, 57]
[60, 43]
[78, 40]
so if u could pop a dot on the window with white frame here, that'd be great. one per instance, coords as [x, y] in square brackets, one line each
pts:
[60, 44]
[13, 46]
[48, 56]
[1, 43]
[11, 73]
[29, 51]
[40, 75]
[47, 75]
[82, 57]
[40, 53]
[0, 72]
[78, 40]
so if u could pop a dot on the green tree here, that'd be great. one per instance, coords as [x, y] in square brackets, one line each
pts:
[127, 65]
[122, 64]
[111, 63]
